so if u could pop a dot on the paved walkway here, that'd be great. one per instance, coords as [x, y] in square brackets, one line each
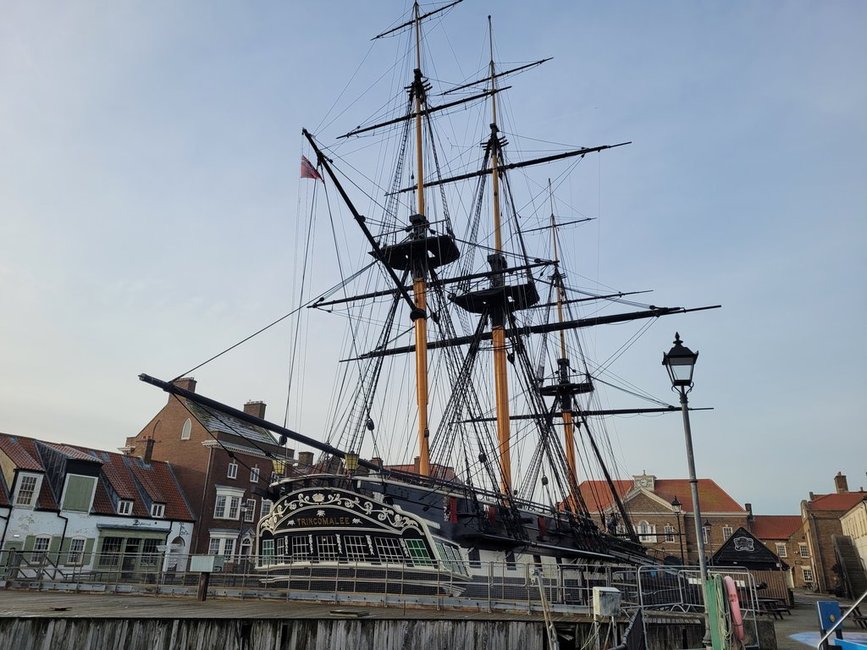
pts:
[801, 629]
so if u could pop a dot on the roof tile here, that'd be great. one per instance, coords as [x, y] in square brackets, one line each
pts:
[775, 526]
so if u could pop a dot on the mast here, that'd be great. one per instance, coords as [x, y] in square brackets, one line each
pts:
[419, 283]
[563, 370]
[498, 317]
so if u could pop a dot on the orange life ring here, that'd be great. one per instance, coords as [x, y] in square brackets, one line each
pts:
[735, 608]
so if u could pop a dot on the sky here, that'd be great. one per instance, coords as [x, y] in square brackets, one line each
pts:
[149, 197]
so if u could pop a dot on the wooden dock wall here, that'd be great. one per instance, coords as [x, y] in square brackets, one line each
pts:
[245, 634]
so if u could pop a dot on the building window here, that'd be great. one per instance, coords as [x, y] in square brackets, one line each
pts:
[110, 553]
[803, 551]
[781, 550]
[75, 555]
[254, 475]
[419, 553]
[669, 533]
[267, 504]
[150, 556]
[232, 472]
[250, 510]
[78, 493]
[389, 549]
[267, 551]
[40, 548]
[228, 503]
[124, 507]
[808, 573]
[646, 532]
[356, 547]
[300, 550]
[274, 477]
[186, 429]
[221, 546]
[326, 548]
[158, 510]
[705, 534]
[727, 532]
[26, 490]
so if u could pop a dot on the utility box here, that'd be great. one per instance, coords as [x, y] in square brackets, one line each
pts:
[206, 563]
[606, 602]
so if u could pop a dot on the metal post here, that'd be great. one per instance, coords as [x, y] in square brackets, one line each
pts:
[696, 511]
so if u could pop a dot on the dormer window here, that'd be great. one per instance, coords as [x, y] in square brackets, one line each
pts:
[232, 472]
[158, 510]
[124, 507]
[28, 490]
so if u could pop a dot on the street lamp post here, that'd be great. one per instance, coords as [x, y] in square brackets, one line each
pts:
[678, 508]
[680, 364]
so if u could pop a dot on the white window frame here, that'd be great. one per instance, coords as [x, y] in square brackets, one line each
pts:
[803, 550]
[254, 475]
[705, 534]
[646, 532]
[250, 510]
[227, 504]
[728, 531]
[158, 510]
[186, 429]
[40, 548]
[222, 544]
[124, 507]
[782, 551]
[266, 507]
[232, 470]
[669, 534]
[33, 489]
[807, 574]
[75, 556]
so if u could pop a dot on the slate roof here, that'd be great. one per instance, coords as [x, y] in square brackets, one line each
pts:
[779, 527]
[712, 497]
[836, 501]
[222, 423]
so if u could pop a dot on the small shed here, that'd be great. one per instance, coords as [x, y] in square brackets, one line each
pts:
[743, 549]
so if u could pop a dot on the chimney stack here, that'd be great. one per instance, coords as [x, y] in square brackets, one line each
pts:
[305, 458]
[749, 507]
[256, 409]
[149, 449]
[187, 383]
[841, 483]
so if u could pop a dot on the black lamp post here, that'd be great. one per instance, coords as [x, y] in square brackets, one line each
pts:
[680, 364]
[678, 508]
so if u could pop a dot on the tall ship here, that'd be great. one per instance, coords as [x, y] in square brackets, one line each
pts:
[464, 412]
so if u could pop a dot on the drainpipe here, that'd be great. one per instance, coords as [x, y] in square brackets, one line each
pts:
[5, 529]
[62, 535]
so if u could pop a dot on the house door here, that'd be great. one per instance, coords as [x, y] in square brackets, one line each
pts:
[130, 555]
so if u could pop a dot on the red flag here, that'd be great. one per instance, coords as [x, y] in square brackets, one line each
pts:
[308, 170]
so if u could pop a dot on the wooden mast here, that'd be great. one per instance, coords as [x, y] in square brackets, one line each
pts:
[563, 367]
[419, 274]
[498, 320]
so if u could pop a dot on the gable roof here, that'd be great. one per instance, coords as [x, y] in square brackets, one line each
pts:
[712, 497]
[841, 501]
[775, 526]
[746, 550]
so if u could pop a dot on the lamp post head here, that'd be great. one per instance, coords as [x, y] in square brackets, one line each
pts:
[676, 505]
[350, 462]
[680, 363]
[706, 523]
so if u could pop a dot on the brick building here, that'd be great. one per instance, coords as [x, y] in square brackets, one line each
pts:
[64, 507]
[652, 505]
[785, 535]
[821, 515]
[223, 464]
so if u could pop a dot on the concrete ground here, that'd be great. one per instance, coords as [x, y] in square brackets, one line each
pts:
[801, 629]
